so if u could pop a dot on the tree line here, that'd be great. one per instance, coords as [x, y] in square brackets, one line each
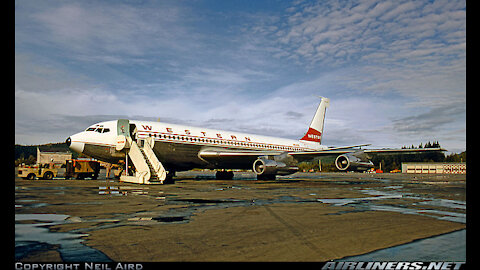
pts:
[427, 145]
[27, 154]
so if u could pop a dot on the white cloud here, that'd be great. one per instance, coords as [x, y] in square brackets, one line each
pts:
[334, 33]
[95, 31]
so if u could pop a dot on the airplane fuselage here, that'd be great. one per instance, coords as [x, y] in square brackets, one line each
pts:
[178, 146]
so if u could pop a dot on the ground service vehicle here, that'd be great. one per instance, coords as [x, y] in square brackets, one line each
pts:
[81, 169]
[41, 171]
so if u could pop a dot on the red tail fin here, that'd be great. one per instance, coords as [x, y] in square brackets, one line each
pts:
[315, 131]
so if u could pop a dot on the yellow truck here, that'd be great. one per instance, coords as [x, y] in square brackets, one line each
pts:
[81, 169]
[40, 171]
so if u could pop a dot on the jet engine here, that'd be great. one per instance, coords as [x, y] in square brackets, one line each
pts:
[266, 168]
[353, 162]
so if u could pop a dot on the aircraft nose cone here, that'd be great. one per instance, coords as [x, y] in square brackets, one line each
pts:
[75, 142]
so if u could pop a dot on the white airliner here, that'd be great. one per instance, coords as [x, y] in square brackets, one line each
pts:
[157, 150]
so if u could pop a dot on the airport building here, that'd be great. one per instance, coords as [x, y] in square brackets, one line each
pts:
[434, 167]
[48, 155]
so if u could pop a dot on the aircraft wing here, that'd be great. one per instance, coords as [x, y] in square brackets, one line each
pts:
[210, 154]
[307, 155]
[232, 158]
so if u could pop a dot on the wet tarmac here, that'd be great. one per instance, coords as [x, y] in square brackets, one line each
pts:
[446, 247]
[302, 217]
[37, 236]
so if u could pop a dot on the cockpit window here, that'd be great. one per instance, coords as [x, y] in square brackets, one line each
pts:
[99, 129]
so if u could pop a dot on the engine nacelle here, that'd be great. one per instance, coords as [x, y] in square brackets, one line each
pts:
[351, 162]
[264, 166]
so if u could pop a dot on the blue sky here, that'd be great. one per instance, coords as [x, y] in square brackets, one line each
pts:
[395, 71]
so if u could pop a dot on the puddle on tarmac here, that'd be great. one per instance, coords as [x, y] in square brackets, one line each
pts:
[445, 203]
[343, 202]
[122, 190]
[207, 201]
[446, 247]
[32, 234]
[169, 219]
[374, 203]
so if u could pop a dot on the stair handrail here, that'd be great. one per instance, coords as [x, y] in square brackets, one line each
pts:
[141, 166]
[156, 164]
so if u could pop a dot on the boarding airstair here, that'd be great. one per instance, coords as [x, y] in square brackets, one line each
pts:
[148, 169]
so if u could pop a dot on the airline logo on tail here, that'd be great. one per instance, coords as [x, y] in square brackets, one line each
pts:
[314, 133]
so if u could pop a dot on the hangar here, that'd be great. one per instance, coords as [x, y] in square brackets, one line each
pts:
[434, 167]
